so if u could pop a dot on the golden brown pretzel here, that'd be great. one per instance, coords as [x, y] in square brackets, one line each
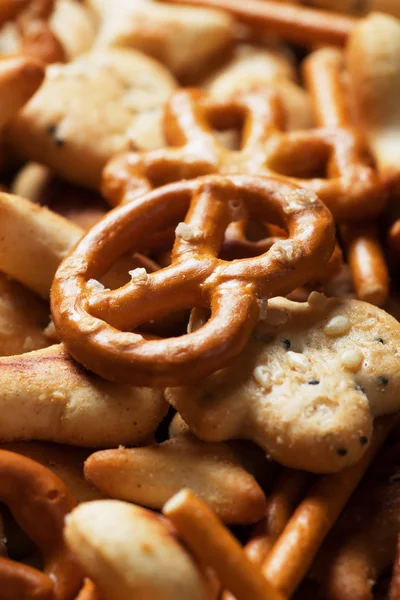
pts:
[350, 188]
[90, 322]
[39, 502]
[295, 23]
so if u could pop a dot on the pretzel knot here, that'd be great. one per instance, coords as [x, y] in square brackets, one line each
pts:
[39, 501]
[96, 324]
[331, 160]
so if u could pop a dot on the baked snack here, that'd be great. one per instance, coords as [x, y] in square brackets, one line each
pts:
[307, 386]
[128, 551]
[122, 93]
[182, 38]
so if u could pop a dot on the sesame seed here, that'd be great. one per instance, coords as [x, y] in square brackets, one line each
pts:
[338, 325]
[261, 376]
[297, 360]
[352, 359]
[286, 343]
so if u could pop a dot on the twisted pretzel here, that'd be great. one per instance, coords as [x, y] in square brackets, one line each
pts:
[89, 323]
[39, 502]
[351, 187]
[295, 23]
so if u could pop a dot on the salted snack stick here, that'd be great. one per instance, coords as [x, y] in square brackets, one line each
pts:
[394, 593]
[88, 592]
[367, 262]
[213, 544]
[293, 553]
[281, 502]
[294, 23]
[39, 502]
[362, 544]
[129, 552]
[54, 399]
[152, 475]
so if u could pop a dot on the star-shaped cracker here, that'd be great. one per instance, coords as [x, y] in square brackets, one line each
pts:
[307, 386]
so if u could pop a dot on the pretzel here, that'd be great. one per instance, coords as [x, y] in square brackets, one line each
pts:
[129, 552]
[251, 69]
[195, 277]
[367, 262]
[293, 553]
[215, 546]
[352, 186]
[294, 23]
[39, 502]
[152, 475]
[362, 544]
[54, 400]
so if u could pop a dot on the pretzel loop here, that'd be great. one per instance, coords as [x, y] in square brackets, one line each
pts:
[331, 159]
[97, 327]
[39, 502]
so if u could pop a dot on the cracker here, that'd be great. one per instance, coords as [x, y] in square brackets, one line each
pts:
[87, 110]
[307, 386]
[183, 38]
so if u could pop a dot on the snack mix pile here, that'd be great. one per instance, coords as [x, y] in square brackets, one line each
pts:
[199, 300]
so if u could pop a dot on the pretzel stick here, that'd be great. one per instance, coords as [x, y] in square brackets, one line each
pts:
[215, 546]
[295, 23]
[321, 72]
[282, 501]
[88, 592]
[395, 584]
[394, 242]
[367, 262]
[293, 553]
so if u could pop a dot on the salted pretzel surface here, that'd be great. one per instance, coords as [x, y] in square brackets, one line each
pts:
[349, 187]
[96, 324]
[39, 501]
